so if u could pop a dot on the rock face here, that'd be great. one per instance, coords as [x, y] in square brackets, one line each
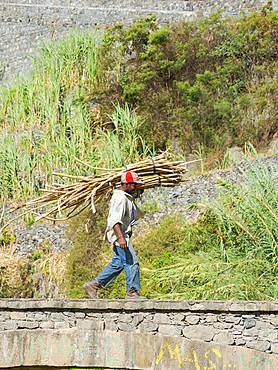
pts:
[34, 237]
[165, 201]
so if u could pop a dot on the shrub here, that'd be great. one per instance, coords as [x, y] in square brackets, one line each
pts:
[209, 82]
[231, 253]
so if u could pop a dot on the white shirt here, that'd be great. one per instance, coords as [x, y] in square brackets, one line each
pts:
[123, 211]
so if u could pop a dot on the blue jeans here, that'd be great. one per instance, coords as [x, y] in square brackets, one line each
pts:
[122, 260]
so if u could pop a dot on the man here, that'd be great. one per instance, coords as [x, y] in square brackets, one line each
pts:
[122, 216]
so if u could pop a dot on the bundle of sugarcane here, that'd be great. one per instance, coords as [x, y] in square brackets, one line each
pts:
[158, 171]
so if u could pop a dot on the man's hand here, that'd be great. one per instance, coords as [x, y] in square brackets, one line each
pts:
[121, 238]
[122, 243]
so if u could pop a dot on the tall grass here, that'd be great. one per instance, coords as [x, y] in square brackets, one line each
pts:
[122, 144]
[231, 253]
[62, 71]
[53, 101]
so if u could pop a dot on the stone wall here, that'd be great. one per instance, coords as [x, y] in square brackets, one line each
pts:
[24, 24]
[238, 333]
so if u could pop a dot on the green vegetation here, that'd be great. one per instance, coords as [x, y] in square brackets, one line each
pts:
[231, 252]
[48, 119]
[90, 253]
[209, 83]
[112, 97]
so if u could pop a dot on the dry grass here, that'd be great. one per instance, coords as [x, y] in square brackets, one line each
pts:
[30, 277]
[9, 264]
[49, 275]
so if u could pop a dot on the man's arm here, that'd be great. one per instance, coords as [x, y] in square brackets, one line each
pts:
[121, 238]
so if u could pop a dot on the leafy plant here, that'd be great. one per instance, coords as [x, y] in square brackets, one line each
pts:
[231, 253]
[123, 144]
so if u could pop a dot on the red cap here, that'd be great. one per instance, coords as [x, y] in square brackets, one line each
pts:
[130, 176]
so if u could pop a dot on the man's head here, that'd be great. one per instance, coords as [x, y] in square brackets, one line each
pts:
[129, 181]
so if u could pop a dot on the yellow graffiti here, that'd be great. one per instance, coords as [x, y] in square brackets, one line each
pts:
[194, 359]
[171, 352]
[191, 356]
[213, 366]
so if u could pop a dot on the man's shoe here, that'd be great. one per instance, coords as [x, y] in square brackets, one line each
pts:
[133, 294]
[92, 289]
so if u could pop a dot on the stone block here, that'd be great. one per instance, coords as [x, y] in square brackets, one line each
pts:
[268, 334]
[17, 304]
[253, 332]
[90, 325]
[115, 304]
[137, 318]
[17, 315]
[47, 325]
[237, 307]
[239, 342]
[259, 345]
[252, 306]
[274, 348]
[95, 315]
[39, 317]
[98, 304]
[79, 315]
[161, 318]
[10, 325]
[5, 317]
[179, 305]
[236, 332]
[111, 325]
[249, 323]
[232, 319]
[222, 325]
[111, 316]
[58, 316]
[162, 305]
[69, 314]
[149, 317]
[61, 325]
[4, 303]
[170, 330]
[192, 319]
[197, 306]
[27, 324]
[178, 317]
[224, 337]
[130, 327]
[264, 325]
[131, 305]
[274, 321]
[211, 318]
[147, 327]
[126, 318]
[199, 332]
